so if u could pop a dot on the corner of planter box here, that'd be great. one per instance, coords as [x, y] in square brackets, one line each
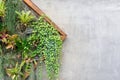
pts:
[37, 10]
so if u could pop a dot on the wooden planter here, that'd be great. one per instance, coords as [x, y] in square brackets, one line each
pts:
[37, 10]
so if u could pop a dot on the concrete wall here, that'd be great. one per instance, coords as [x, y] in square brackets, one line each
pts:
[92, 48]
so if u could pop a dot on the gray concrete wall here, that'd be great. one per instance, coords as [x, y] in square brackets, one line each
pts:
[92, 48]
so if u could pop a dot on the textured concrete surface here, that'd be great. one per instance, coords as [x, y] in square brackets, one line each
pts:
[92, 48]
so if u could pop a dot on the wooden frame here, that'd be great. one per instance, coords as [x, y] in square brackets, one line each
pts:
[40, 12]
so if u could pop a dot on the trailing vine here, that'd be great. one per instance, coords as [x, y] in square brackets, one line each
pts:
[47, 43]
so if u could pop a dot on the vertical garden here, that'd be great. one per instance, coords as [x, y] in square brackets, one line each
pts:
[27, 44]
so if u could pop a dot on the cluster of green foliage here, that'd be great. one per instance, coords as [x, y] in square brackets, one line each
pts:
[25, 18]
[1, 69]
[23, 58]
[47, 43]
[10, 15]
[2, 13]
[2, 8]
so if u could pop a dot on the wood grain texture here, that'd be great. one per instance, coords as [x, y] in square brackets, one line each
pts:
[40, 12]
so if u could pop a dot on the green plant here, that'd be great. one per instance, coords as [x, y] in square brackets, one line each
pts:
[23, 56]
[0, 50]
[1, 69]
[2, 8]
[32, 73]
[2, 13]
[24, 18]
[9, 60]
[47, 45]
[11, 16]
[16, 73]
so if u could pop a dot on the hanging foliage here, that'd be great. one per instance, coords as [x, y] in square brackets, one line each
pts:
[26, 51]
